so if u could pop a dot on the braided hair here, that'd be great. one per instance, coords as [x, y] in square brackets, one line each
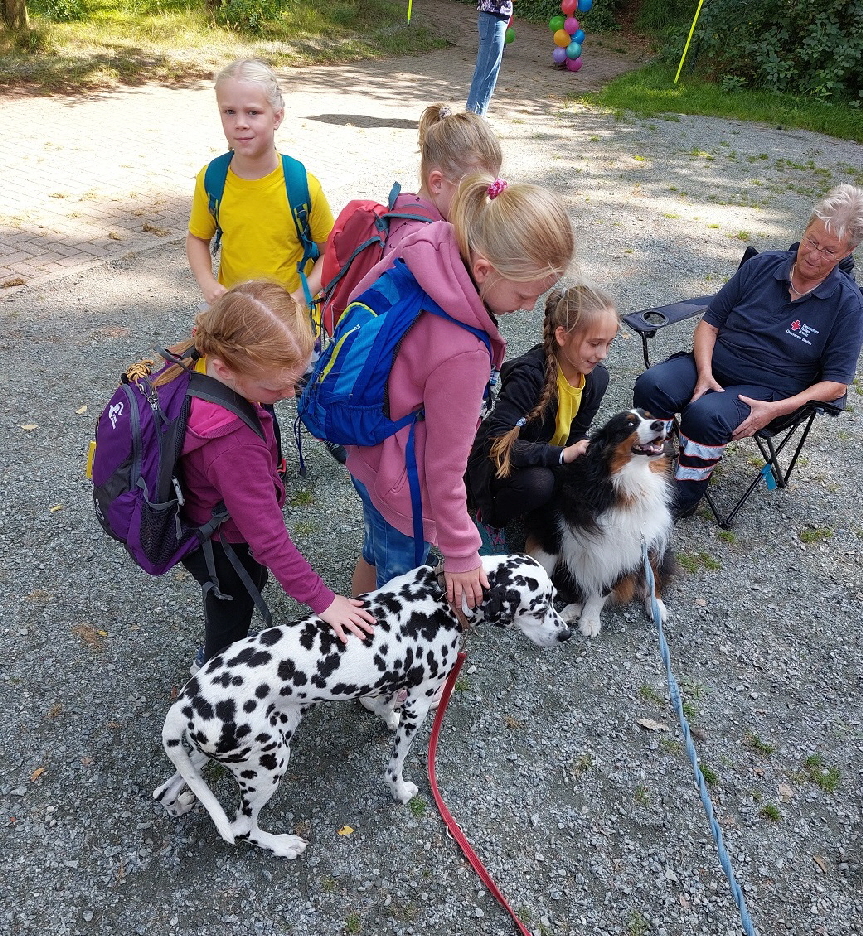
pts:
[573, 309]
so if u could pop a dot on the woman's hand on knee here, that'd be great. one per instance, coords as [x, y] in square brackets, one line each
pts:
[467, 585]
[705, 384]
[348, 615]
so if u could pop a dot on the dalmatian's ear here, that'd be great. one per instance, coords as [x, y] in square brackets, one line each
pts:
[498, 604]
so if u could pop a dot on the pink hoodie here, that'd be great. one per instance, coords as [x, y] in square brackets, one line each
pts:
[223, 459]
[401, 228]
[445, 369]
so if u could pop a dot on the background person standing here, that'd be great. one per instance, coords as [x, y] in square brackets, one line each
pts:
[492, 23]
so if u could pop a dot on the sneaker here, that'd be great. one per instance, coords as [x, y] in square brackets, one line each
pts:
[337, 451]
[198, 662]
[493, 539]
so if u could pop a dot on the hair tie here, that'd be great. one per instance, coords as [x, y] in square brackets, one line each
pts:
[521, 421]
[496, 188]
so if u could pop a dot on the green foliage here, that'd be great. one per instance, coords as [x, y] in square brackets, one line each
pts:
[651, 91]
[250, 16]
[602, 18]
[783, 45]
[59, 11]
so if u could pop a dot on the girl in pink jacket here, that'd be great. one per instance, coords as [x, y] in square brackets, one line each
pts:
[505, 245]
[255, 340]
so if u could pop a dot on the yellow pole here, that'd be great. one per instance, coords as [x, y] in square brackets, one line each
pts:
[688, 40]
[410, 8]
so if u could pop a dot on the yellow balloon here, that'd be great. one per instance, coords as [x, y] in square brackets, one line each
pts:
[562, 38]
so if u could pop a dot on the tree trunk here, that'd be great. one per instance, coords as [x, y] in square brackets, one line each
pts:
[15, 14]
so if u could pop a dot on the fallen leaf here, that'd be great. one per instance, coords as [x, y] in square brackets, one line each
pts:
[346, 830]
[650, 725]
[81, 410]
[786, 791]
[29, 427]
[15, 281]
[37, 773]
[822, 864]
[55, 508]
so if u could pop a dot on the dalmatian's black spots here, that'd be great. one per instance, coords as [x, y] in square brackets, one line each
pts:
[250, 656]
[271, 636]
[201, 708]
[243, 708]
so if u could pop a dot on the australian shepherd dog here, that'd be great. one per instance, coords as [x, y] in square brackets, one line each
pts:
[589, 535]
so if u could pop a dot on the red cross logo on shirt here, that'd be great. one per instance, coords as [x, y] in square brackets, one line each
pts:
[795, 324]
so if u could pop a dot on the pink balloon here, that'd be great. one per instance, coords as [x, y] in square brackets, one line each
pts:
[570, 24]
[568, 6]
[573, 64]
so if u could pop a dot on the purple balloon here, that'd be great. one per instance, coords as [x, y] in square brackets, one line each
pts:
[559, 55]
[573, 64]
[570, 24]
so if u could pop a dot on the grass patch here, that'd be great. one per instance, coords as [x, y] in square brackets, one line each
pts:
[754, 743]
[418, 807]
[177, 42]
[817, 772]
[695, 562]
[711, 777]
[770, 811]
[650, 92]
[815, 535]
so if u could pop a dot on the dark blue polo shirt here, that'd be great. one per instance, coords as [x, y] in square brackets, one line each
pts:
[766, 339]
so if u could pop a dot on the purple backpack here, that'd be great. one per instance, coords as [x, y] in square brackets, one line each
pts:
[137, 485]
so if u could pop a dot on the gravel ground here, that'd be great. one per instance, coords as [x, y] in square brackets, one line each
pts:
[588, 822]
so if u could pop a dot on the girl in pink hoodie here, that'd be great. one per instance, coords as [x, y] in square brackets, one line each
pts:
[505, 245]
[255, 340]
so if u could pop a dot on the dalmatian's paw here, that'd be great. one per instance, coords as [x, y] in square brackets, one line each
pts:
[283, 846]
[184, 802]
[404, 791]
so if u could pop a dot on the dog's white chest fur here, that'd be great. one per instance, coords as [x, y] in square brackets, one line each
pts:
[598, 559]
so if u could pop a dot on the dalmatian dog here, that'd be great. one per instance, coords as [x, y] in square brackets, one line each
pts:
[243, 708]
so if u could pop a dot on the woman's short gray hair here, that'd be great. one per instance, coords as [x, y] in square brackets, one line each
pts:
[841, 210]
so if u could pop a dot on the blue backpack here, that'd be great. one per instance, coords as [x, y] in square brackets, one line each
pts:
[297, 187]
[345, 400]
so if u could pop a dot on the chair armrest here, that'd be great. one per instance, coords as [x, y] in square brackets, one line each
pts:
[649, 321]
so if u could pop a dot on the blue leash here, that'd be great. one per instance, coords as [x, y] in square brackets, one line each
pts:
[674, 691]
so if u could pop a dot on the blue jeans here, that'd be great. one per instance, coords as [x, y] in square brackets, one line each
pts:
[492, 38]
[384, 547]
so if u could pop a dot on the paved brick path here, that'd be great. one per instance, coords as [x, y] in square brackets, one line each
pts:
[98, 176]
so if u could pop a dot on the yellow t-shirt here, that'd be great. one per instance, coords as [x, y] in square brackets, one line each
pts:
[259, 239]
[568, 403]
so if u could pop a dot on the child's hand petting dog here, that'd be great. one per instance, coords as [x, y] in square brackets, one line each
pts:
[348, 614]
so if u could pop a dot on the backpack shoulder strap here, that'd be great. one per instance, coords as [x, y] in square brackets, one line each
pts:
[214, 391]
[300, 202]
[215, 176]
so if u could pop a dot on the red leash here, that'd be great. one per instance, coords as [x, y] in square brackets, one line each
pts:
[452, 825]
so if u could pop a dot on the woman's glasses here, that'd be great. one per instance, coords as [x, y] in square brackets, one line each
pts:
[814, 245]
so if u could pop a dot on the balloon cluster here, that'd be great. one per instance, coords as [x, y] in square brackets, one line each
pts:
[568, 35]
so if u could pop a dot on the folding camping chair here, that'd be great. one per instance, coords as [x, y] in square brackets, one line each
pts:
[771, 440]
[648, 322]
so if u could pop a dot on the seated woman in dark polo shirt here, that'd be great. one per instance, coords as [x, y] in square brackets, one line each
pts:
[785, 330]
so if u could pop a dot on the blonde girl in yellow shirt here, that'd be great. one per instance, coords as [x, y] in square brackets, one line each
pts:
[259, 238]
